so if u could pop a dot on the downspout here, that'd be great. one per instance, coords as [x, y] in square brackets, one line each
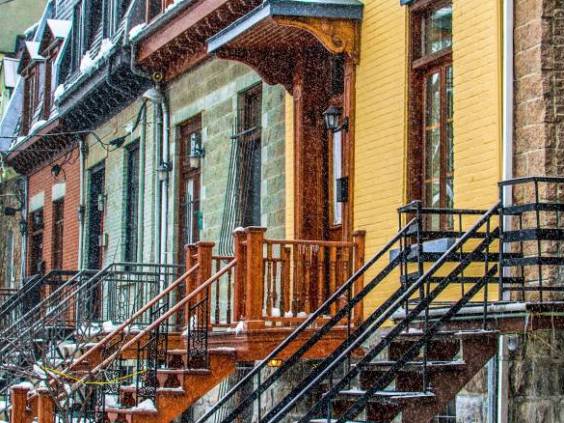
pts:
[141, 208]
[165, 171]
[508, 76]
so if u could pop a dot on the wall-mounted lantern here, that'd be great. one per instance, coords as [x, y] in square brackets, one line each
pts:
[163, 170]
[332, 117]
[197, 152]
[23, 227]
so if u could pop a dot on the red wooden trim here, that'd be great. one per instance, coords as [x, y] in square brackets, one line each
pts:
[432, 59]
[185, 20]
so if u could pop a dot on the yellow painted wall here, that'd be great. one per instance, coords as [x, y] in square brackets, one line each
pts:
[380, 149]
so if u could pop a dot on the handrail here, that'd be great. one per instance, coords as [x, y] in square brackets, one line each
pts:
[378, 320]
[46, 300]
[131, 319]
[171, 311]
[307, 322]
[528, 179]
[309, 242]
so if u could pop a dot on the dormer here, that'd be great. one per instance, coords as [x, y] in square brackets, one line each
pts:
[30, 68]
[49, 47]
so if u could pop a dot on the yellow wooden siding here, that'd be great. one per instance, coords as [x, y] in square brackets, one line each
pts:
[380, 158]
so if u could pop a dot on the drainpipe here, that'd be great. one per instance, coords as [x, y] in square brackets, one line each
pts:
[141, 206]
[508, 76]
[165, 172]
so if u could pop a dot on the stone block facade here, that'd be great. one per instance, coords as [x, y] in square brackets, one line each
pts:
[212, 90]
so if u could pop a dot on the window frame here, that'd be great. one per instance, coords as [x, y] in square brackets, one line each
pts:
[131, 237]
[420, 67]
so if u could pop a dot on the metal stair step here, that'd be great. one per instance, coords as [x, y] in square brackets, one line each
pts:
[414, 366]
[386, 396]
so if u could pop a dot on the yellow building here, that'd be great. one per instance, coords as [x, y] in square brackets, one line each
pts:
[394, 80]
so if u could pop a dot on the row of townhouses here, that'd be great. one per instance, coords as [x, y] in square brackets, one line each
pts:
[282, 211]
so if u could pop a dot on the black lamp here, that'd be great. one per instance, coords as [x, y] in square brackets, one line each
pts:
[332, 116]
[56, 170]
[197, 152]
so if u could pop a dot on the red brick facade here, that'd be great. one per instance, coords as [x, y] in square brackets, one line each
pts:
[42, 180]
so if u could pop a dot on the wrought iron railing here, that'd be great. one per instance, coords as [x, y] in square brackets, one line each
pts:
[124, 386]
[339, 360]
[532, 223]
[32, 291]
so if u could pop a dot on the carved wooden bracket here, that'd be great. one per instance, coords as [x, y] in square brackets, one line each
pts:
[338, 36]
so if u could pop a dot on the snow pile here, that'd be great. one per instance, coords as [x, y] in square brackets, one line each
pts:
[59, 91]
[37, 125]
[275, 312]
[174, 5]
[23, 385]
[105, 48]
[241, 327]
[288, 315]
[136, 30]
[39, 372]
[111, 401]
[87, 64]
[147, 405]
[302, 314]
[108, 327]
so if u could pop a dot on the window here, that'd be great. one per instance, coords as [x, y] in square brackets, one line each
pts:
[10, 274]
[250, 103]
[36, 264]
[132, 205]
[432, 112]
[58, 235]
[337, 173]
[31, 98]
[48, 87]
[77, 37]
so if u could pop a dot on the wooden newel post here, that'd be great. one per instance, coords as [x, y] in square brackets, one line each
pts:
[359, 239]
[46, 406]
[19, 402]
[240, 282]
[205, 252]
[190, 282]
[254, 291]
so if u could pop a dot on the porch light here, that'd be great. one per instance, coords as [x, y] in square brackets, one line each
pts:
[163, 170]
[275, 363]
[197, 152]
[331, 116]
[56, 170]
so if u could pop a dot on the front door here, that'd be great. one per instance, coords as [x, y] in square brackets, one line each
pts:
[96, 206]
[189, 219]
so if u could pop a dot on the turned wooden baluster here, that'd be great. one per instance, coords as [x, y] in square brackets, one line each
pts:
[229, 295]
[269, 280]
[217, 312]
[308, 256]
[320, 276]
[285, 303]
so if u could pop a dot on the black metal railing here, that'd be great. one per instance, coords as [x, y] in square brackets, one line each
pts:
[341, 358]
[86, 306]
[30, 294]
[264, 376]
[532, 231]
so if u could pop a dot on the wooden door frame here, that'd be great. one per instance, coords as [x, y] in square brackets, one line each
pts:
[190, 125]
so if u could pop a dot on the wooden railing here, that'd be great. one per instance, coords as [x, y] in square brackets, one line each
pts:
[283, 281]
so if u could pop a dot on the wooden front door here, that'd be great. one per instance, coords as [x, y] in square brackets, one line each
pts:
[96, 202]
[189, 216]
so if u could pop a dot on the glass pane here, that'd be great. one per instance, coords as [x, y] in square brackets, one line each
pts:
[337, 173]
[437, 30]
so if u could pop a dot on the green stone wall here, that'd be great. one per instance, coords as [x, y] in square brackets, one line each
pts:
[212, 89]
